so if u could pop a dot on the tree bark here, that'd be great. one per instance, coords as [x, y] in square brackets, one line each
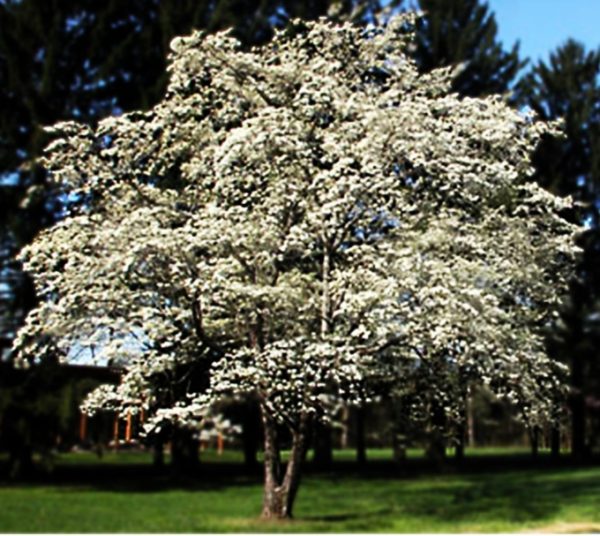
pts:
[399, 430]
[345, 426]
[20, 462]
[555, 443]
[461, 427]
[281, 487]
[436, 448]
[158, 455]
[361, 446]
[470, 418]
[323, 445]
[459, 449]
[577, 409]
[251, 433]
[535, 441]
[184, 451]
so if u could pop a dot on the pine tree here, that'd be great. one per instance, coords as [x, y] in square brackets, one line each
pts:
[567, 87]
[464, 31]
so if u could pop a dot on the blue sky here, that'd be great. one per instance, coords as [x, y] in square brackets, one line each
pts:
[543, 25]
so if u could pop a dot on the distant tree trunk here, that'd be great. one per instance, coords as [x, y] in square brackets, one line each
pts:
[345, 426]
[399, 430]
[281, 487]
[158, 455]
[555, 442]
[459, 449]
[461, 431]
[323, 445]
[577, 409]
[20, 462]
[19, 443]
[534, 434]
[251, 433]
[436, 449]
[184, 451]
[361, 446]
[470, 418]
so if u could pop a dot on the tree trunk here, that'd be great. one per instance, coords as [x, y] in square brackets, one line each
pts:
[184, 451]
[323, 445]
[459, 449]
[535, 441]
[470, 418]
[399, 430]
[461, 427]
[555, 443]
[436, 448]
[251, 434]
[345, 426]
[280, 487]
[20, 463]
[577, 409]
[158, 455]
[361, 446]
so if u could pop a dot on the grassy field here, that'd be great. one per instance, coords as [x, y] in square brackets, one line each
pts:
[550, 499]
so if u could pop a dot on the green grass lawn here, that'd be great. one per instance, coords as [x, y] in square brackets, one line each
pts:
[551, 499]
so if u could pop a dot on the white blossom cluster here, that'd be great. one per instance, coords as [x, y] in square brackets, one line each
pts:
[315, 219]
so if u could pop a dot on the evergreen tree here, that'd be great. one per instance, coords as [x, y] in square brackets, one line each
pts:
[464, 31]
[567, 87]
[84, 60]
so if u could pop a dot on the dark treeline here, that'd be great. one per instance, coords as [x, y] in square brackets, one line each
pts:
[88, 59]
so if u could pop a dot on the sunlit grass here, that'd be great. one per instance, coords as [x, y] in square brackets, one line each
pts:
[490, 502]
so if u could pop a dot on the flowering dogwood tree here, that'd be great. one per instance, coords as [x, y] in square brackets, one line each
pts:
[302, 222]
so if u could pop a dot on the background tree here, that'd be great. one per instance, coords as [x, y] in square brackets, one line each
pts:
[567, 87]
[454, 32]
[282, 216]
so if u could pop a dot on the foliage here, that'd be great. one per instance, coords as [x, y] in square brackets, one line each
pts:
[85, 60]
[310, 218]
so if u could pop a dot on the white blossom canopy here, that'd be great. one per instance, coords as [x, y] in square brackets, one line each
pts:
[313, 217]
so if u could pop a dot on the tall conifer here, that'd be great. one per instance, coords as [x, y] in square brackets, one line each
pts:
[567, 87]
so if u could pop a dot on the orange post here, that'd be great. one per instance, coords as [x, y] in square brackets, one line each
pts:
[220, 444]
[116, 431]
[82, 426]
[128, 429]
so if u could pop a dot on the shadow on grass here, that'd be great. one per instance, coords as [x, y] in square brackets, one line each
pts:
[521, 497]
[348, 516]
[453, 502]
[474, 479]
[139, 478]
